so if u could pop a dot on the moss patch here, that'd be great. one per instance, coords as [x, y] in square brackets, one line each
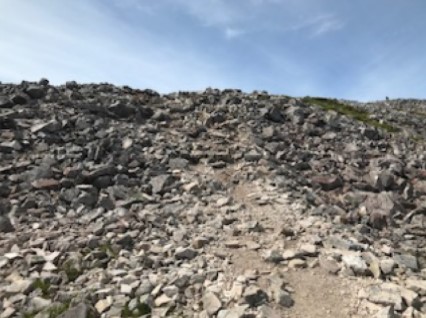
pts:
[57, 310]
[109, 250]
[349, 111]
[52, 312]
[29, 314]
[44, 287]
[71, 271]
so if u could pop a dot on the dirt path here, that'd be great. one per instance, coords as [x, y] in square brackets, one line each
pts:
[315, 292]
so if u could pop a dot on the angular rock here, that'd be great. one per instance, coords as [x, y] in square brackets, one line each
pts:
[5, 102]
[81, 310]
[5, 225]
[160, 183]
[211, 303]
[328, 183]
[185, 253]
[406, 261]
[254, 296]
[418, 286]
[355, 263]
[35, 91]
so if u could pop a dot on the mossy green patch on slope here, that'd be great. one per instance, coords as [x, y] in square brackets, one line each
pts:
[349, 111]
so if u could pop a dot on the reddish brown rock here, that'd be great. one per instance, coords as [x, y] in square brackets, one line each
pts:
[45, 184]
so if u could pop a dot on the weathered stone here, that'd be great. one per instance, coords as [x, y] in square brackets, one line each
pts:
[162, 300]
[39, 303]
[252, 155]
[8, 312]
[185, 253]
[274, 256]
[5, 225]
[35, 91]
[275, 115]
[46, 184]
[328, 183]
[211, 303]
[5, 102]
[380, 209]
[254, 296]
[419, 286]
[355, 263]
[386, 294]
[329, 264]
[386, 312]
[81, 310]
[297, 263]
[406, 261]
[103, 305]
[160, 183]
[387, 266]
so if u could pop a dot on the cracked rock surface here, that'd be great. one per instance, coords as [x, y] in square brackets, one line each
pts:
[119, 202]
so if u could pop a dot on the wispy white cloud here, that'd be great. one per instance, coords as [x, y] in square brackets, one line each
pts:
[49, 42]
[211, 12]
[327, 24]
[231, 33]
[317, 25]
[293, 46]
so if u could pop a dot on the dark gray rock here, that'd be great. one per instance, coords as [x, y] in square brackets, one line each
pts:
[254, 296]
[122, 110]
[36, 91]
[328, 183]
[82, 310]
[5, 102]
[275, 115]
[5, 225]
[406, 261]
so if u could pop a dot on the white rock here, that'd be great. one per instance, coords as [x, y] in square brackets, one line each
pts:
[356, 263]
[419, 286]
[103, 304]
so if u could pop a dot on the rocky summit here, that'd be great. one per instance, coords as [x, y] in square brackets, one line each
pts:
[120, 202]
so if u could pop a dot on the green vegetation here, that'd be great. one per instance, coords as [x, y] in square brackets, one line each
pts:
[44, 287]
[417, 139]
[71, 271]
[109, 250]
[30, 314]
[52, 312]
[349, 111]
[57, 310]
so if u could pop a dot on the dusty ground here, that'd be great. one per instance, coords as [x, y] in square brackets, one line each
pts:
[315, 292]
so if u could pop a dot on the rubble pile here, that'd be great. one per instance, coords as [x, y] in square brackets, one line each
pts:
[119, 202]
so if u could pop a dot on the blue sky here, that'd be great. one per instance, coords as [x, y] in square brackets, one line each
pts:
[363, 49]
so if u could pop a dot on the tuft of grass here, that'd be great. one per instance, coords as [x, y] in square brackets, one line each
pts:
[72, 272]
[44, 287]
[417, 139]
[29, 314]
[349, 111]
[51, 312]
[57, 310]
[109, 250]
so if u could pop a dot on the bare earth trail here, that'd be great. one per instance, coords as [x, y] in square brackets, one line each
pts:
[315, 292]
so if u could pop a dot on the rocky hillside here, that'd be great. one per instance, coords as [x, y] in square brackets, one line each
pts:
[119, 202]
